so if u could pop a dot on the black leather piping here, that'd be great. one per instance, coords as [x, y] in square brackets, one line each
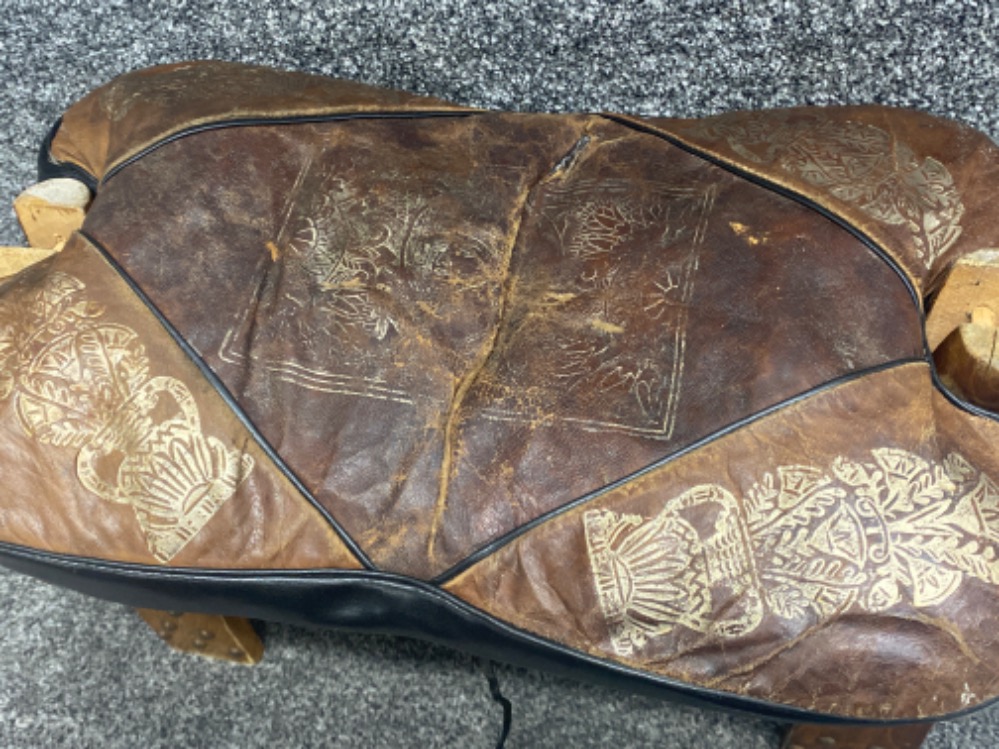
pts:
[493, 546]
[231, 402]
[377, 603]
[49, 168]
[288, 120]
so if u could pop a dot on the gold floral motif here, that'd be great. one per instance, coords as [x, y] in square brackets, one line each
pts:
[859, 164]
[803, 545]
[81, 383]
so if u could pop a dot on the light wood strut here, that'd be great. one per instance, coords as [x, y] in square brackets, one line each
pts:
[962, 332]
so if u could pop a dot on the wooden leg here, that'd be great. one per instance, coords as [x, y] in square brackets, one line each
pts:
[15, 259]
[48, 213]
[972, 283]
[809, 736]
[52, 210]
[227, 638]
[968, 360]
[962, 331]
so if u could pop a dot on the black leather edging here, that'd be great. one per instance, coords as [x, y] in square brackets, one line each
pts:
[493, 546]
[49, 168]
[231, 402]
[287, 120]
[378, 603]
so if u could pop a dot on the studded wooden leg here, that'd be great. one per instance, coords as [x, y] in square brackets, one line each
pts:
[227, 638]
[808, 736]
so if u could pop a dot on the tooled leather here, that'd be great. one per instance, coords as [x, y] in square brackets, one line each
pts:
[795, 560]
[118, 120]
[911, 181]
[115, 447]
[482, 319]
[472, 351]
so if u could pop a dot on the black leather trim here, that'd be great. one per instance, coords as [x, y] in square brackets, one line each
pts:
[271, 121]
[230, 401]
[493, 546]
[376, 603]
[49, 168]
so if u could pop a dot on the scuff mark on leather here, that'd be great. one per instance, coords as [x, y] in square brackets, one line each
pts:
[569, 160]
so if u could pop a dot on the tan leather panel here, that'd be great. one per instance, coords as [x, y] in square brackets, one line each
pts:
[451, 327]
[137, 109]
[919, 185]
[115, 446]
[837, 556]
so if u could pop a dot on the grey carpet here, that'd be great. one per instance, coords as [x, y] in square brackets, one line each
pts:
[81, 673]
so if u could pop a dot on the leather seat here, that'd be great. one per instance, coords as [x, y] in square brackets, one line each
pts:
[649, 401]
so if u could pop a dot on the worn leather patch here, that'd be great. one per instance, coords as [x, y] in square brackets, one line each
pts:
[449, 328]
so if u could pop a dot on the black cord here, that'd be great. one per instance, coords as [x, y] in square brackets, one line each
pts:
[489, 668]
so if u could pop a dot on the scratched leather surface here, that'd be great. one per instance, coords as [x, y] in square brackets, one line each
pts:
[453, 323]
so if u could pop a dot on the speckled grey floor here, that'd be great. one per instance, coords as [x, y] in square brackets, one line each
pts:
[82, 673]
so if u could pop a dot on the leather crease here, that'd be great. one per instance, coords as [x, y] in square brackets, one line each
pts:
[462, 388]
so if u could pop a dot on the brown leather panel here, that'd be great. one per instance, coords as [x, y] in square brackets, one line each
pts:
[839, 555]
[451, 327]
[919, 185]
[137, 109]
[114, 446]
[359, 272]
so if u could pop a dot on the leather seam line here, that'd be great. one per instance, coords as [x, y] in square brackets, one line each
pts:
[493, 546]
[223, 392]
[304, 119]
[73, 564]
[781, 190]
